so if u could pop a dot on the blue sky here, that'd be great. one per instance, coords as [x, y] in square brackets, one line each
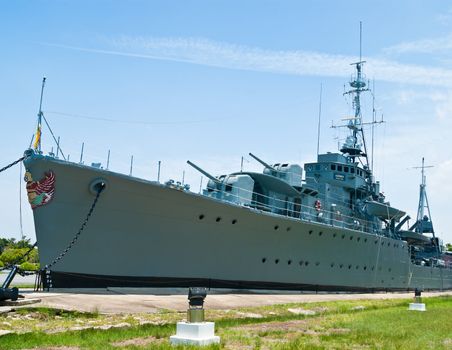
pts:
[211, 81]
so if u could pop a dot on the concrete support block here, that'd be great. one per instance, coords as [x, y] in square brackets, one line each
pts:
[417, 307]
[202, 333]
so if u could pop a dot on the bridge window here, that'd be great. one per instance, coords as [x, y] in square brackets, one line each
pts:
[346, 169]
[339, 168]
[333, 166]
[352, 170]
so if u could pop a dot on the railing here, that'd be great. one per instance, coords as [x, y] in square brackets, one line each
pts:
[293, 210]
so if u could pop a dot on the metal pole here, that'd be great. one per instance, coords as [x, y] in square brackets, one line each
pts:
[200, 186]
[320, 114]
[158, 172]
[81, 153]
[131, 166]
[373, 124]
[20, 202]
[183, 177]
[108, 159]
[58, 146]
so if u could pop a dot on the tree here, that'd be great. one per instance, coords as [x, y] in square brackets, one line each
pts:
[449, 247]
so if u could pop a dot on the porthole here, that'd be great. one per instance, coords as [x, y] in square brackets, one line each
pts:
[358, 239]
[332, 264]
[343, 236]
[351, 237]
[365, 268]
[317, 263]
[234, 221]
[276, 261]
[376, 241]
[306, 263]
[341, 266]
[357, 267]
[349, 267]
[365, 240]
[276, 227]
[218, 219]
[289, 262]
[389, 244]
[389, 270]
[334, 235]
[200, 217]
[301, 262]
[264, 260]
[310, 232]
[320, 233]
[288, 229]
[373, 268]
[382, 243]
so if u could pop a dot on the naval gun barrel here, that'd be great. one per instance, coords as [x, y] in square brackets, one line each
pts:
[205, 173]
[262, 162]
[399, 226]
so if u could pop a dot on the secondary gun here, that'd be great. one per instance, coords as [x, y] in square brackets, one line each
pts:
[268, 166]
[205, 173]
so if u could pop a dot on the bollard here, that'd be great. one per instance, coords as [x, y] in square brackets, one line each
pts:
[195, 331]
[418, 305]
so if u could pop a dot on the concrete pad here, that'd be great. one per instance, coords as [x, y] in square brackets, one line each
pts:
[5, 309]
[111, 301]
[20, 302]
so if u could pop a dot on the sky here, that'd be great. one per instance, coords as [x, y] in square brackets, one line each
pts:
[211, 81]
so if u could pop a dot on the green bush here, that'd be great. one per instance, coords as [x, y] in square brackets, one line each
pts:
[27, 266]
[1, 264]
[12, 255]
[33, 257]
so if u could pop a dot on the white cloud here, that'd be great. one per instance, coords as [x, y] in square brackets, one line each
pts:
[218, 54]
[429, 45]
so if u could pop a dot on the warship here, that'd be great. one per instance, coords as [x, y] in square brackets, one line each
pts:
[325, 226]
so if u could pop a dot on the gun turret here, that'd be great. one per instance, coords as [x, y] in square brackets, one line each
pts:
[262, 162]
[205, 173]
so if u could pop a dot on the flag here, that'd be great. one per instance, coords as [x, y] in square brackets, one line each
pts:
[37, 138]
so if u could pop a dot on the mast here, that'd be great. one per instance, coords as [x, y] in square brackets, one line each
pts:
[423, 222]
[355, 141]
[320, 116]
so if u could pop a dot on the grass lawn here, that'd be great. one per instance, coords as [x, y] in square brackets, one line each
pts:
[375, 324]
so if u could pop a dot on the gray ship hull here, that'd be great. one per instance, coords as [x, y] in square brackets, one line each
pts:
[144, 233]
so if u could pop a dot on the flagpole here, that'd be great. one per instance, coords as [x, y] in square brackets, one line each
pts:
[37, 145]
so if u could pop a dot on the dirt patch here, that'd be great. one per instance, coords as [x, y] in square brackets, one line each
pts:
[294, 327]
[136, 342]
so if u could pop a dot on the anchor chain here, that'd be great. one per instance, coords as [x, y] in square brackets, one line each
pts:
[46, 270]
[13, 163]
